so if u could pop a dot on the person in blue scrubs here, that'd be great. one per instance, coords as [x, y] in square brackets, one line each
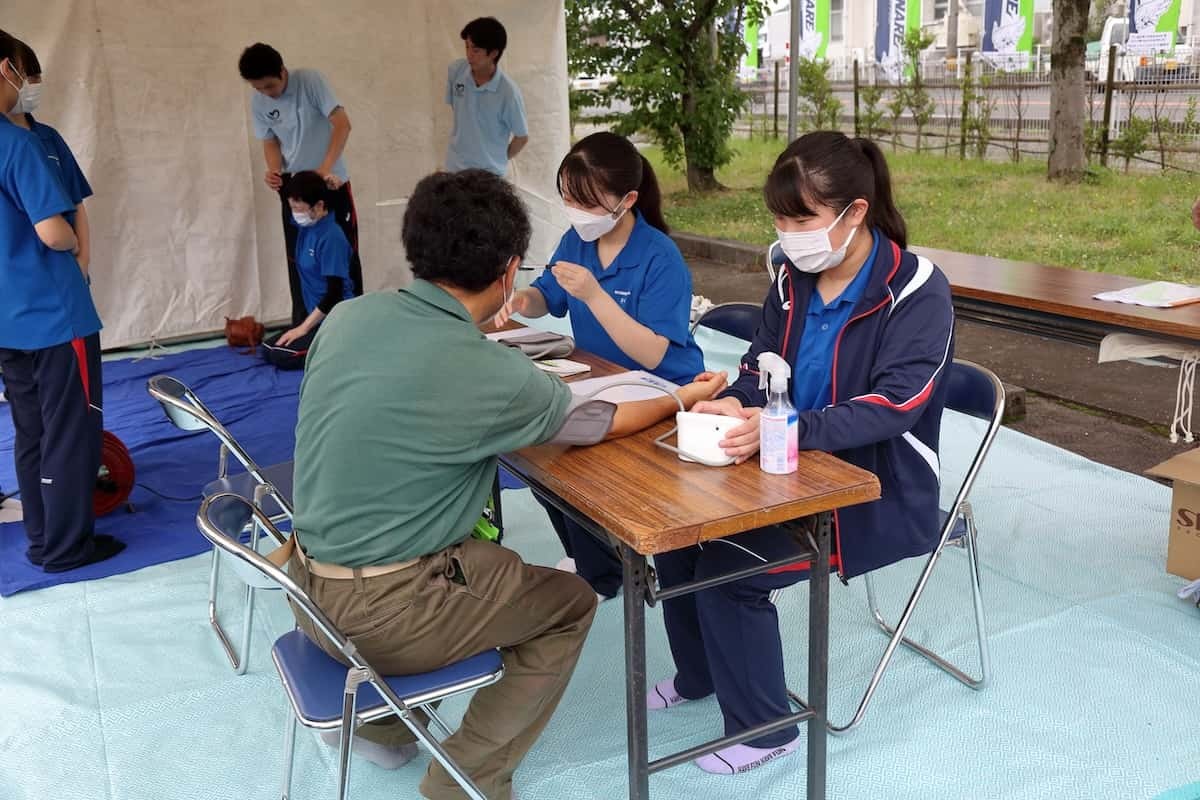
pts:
[49, 355]
[627, 290]
[322, 262]
[59, 155]
[489, 112]
[302, 127]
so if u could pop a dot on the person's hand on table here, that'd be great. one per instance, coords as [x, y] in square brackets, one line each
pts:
[740, 442]
[519, 305]
[706, 386]
[273, 180]
[577, 281]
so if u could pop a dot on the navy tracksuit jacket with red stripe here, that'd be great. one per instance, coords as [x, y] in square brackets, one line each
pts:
[888, 397]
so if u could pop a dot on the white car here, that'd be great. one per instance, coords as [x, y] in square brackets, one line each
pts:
[585, 83]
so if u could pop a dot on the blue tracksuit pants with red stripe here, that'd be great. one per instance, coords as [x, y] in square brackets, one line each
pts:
[726, 640]
[55, 398]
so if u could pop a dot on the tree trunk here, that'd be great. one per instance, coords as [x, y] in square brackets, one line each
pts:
[700, 177]
[1068, 117]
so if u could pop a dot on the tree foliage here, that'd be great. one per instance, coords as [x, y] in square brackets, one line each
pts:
[675, 66]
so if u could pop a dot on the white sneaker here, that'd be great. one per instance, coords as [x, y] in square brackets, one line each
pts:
[566, 565]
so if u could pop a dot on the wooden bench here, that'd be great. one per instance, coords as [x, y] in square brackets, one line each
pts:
[1054, 301]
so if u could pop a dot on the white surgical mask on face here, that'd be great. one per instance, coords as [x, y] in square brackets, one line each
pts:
[19, 89]
[303, 218]
[589, 226]
[28, 98]
[811, 251]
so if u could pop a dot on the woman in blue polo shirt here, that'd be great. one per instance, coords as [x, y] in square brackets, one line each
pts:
[322, 262]
[626, 287]
[48, 353]
[58, 154]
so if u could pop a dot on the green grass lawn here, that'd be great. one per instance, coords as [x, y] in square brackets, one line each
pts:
[1136, 224]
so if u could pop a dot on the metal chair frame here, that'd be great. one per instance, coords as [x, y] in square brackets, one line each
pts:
[960, 508]
[358, 673]
[188, 413]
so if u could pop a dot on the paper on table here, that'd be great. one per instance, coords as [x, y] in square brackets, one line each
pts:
[1159, 294]
[562, 366]
[623, 394]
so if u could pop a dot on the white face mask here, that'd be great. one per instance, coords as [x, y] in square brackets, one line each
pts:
[28, 98]
[303, 218]
[811, 251]
[589, 226]
[20, 90]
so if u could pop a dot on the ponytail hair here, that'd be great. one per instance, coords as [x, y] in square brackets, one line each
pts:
[827, 168]
[607, 164]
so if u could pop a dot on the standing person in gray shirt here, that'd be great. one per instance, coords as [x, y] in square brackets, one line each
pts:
[302, 127]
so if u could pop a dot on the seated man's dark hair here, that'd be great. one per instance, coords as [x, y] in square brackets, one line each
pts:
[260, 61]
[308, 187]
[487, 33]
[462, 228]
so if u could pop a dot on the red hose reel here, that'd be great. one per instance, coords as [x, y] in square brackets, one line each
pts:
[116, 478]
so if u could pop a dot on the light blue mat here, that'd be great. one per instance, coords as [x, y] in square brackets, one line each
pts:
[117, 689]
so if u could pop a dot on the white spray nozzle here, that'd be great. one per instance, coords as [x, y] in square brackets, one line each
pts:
[773, 371]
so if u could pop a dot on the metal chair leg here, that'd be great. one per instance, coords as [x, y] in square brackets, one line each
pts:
[985, 659]
[440, 755]
[896, 633]
[437, 719]
[289, 753]
[354, 679]
[238, 664]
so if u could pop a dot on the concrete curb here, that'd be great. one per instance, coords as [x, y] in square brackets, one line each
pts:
[746, 257]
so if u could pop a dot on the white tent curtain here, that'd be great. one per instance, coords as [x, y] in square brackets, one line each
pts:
[148, 96]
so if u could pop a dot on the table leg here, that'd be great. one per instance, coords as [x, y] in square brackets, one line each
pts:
[818, 659]
[635, 672]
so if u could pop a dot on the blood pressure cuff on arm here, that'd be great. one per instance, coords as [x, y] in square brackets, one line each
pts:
[587, 422]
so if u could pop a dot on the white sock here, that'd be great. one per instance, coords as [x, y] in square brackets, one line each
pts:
[742, 758]
[566, 565]
[378, 754]
[663, 695]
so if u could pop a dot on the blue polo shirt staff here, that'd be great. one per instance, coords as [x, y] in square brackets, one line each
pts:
[489, 112]
[49, 357]
[649, 281]
[303, 127]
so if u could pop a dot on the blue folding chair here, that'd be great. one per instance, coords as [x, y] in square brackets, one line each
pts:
[977, 392]
[269, 488]
[739, 320]
[326, 694]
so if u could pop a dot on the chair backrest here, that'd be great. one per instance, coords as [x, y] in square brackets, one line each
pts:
[739, 320]
[775, 259]
[977, 392]
[185, 410]
[221, 519]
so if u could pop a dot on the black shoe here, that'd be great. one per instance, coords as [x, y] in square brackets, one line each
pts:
[104, 547]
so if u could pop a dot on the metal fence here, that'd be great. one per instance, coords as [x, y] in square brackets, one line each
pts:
[1142, 110]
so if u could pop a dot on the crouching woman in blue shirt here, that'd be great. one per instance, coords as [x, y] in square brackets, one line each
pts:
[868, 329]
[48, 353]
[627, 289]
[322, 257]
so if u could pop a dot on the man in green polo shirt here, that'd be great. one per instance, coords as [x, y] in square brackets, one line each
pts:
[404, 409]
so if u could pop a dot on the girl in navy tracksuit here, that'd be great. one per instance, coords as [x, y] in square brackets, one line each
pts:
[868, 329]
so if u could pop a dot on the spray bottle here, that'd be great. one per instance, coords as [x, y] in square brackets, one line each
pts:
[778, 442]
